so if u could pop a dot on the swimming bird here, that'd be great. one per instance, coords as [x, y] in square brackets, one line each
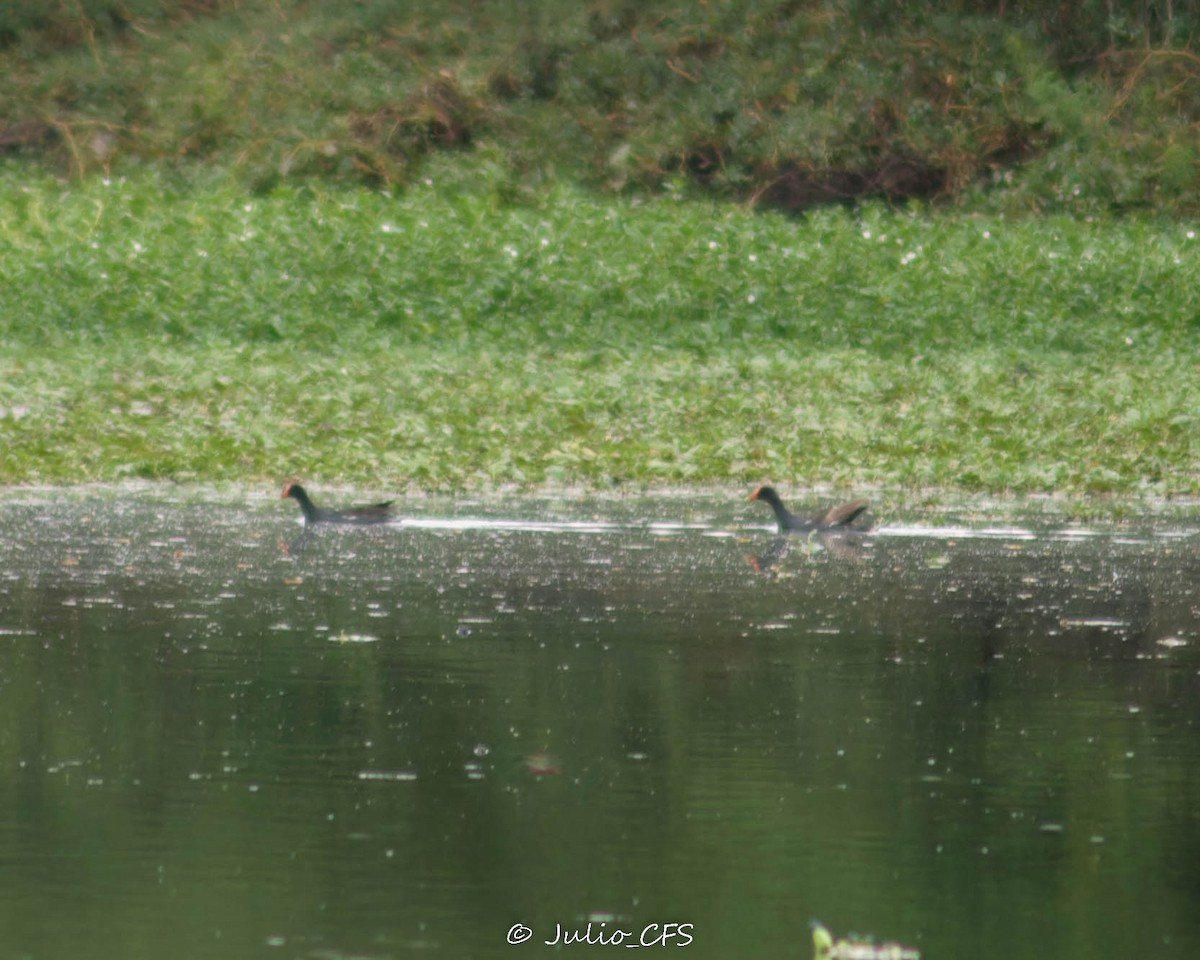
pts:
[370, 513]
[835, 518]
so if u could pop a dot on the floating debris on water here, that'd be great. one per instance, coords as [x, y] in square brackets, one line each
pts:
[541, 764]
[862, 948]
[344, 637]
[1102, 622]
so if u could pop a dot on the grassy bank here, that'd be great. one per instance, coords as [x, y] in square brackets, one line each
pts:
[1083, 105]
[446, 338]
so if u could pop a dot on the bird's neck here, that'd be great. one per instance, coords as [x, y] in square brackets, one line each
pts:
[306, 505]
[781, 513]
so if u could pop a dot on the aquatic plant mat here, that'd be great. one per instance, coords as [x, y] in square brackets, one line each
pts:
[444, 339]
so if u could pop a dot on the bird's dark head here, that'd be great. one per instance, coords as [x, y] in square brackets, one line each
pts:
[293, 490]
[765, 493]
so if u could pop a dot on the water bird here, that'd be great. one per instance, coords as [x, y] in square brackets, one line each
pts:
[369, 513]
[835, 518]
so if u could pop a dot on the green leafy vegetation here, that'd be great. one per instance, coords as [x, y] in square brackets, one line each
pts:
[1081, 106]
[443, 337]
[472, 245]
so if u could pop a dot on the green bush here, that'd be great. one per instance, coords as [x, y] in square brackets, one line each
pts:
[1078, 106]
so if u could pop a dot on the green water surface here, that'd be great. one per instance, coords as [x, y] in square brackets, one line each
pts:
[222, 739]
